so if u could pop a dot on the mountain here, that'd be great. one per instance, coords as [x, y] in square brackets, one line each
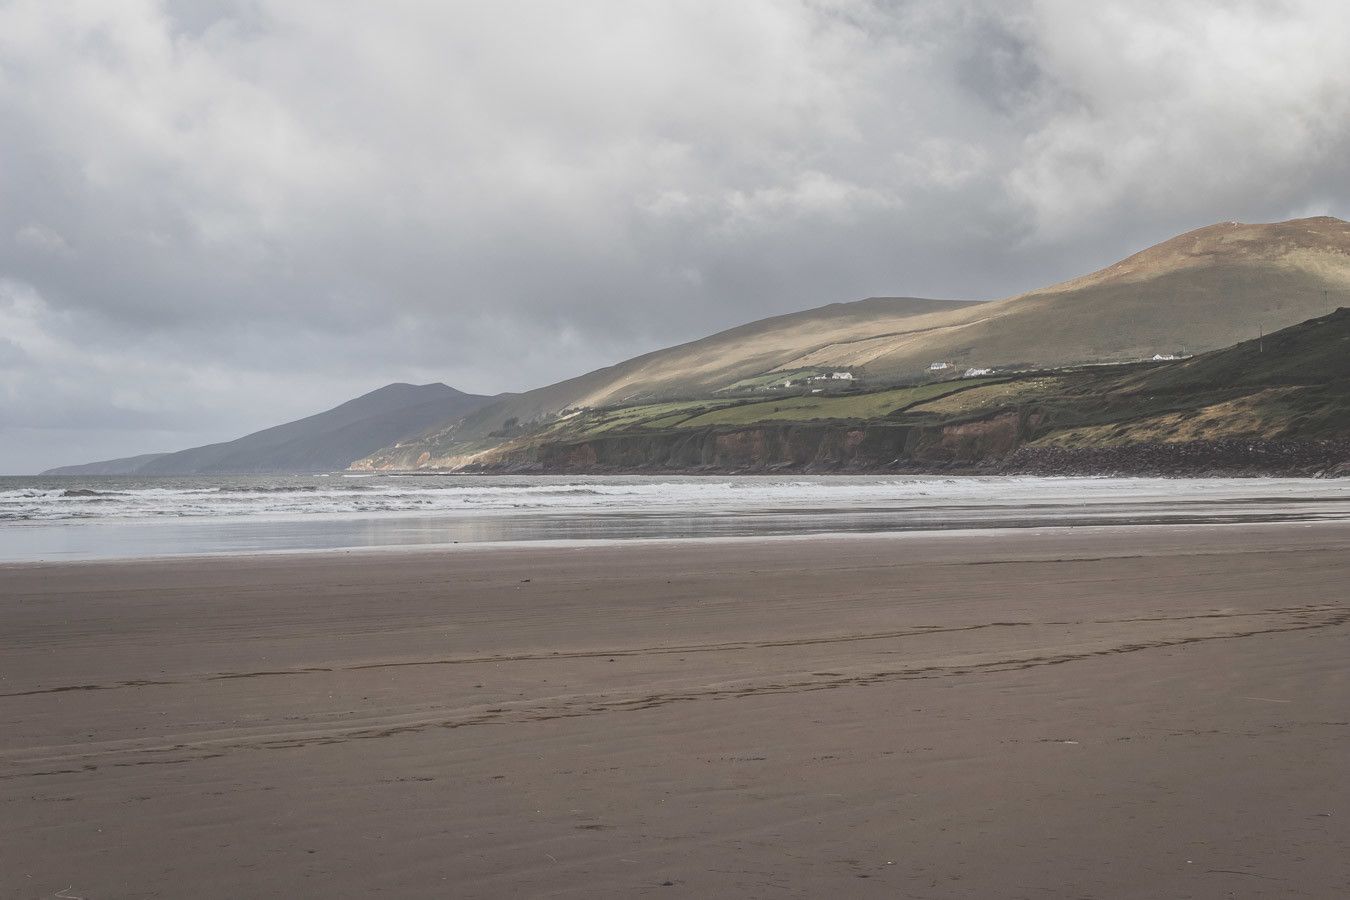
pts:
[324, 442]
[1278, 404]
[124, 466]
[1200, 291]
[1203, 290]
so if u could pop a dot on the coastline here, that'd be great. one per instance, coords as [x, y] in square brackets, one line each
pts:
[237, 517]
[1118, 711]
[1128, 531]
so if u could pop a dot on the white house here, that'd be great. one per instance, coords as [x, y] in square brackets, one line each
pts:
[976, 373]
[842, 376]
[939, 366]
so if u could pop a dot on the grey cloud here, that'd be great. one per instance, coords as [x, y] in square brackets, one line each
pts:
[221, 214]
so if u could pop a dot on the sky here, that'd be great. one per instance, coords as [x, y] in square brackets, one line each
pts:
[216, 216]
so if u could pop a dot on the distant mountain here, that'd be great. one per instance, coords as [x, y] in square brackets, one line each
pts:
[324, 442]
[124, 466]
[1203, 290]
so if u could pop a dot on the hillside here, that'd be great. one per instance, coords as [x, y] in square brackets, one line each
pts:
[123, 466]
[323, 442]
[1291, 386]
[1200, 291]
[1279, 404]
[698, 368]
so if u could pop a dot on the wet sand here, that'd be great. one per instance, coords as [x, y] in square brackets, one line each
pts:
[1124, 712]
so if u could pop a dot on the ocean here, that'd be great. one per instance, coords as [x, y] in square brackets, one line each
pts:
[109, 517]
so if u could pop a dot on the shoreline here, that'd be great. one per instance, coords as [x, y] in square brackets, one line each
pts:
[1036, 530]
[390, 532]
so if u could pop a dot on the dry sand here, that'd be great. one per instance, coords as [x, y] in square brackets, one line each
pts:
[1128, 712]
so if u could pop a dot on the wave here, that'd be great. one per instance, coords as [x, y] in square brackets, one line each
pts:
[302, 489]
[293, 489]
[573, 492]
[39, 500]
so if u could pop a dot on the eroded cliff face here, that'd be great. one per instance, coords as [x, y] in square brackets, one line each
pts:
[980, 441]
[1003, 443]
[773, 447]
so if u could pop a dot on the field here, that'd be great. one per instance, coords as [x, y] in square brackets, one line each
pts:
[599, 421]
[815, 407]
[768, 380]
[990, 396]
[798, 408]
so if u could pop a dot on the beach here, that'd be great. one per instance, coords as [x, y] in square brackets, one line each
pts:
[1129, 711]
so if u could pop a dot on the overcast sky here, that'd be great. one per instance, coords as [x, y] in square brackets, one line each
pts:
[216, 216]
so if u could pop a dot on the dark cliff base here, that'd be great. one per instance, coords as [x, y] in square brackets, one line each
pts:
[989, 447]
[1233, 457]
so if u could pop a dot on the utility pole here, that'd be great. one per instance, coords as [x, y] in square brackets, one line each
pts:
[1326, 305]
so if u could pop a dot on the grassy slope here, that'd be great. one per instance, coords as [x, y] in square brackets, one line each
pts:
[992, 396]
[1291, 385]
[817, 407]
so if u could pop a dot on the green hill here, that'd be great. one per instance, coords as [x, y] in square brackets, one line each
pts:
[1201, 291]
[1279, 404]
[1293, 385]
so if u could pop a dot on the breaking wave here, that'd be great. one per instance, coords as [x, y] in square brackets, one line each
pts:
[36, 500]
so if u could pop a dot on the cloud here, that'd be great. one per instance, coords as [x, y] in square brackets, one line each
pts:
[1170, 110]
[264, 199]
[42, 239]
[138, 392]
